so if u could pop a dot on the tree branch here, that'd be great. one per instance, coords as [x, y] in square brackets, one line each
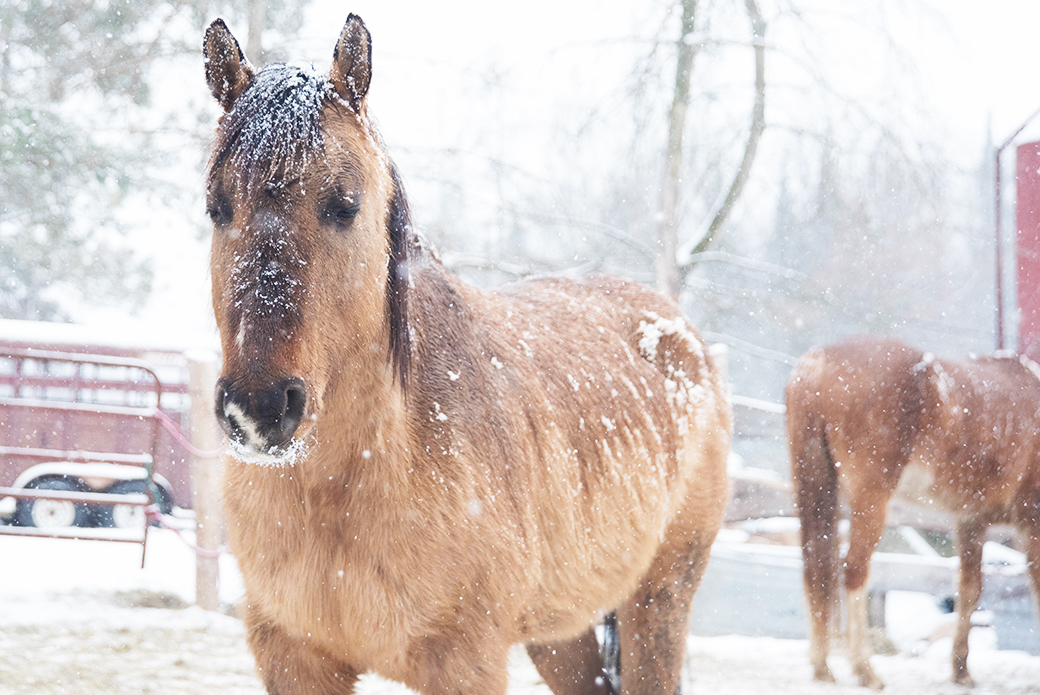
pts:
[607, 230]
[750, 263]
[668, 279]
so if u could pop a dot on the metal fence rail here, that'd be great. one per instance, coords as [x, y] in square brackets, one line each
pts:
[53, 405]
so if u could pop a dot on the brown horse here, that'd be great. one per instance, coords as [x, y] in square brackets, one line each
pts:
[874, 417]
[423, 473]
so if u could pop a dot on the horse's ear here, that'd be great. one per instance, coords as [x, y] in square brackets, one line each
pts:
[227, 71]
[352, 63]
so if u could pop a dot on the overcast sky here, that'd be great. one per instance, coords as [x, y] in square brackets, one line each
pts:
[977, 60]
[974, 65]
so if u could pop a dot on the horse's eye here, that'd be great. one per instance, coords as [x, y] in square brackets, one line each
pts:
[219, 210]
[342, 210]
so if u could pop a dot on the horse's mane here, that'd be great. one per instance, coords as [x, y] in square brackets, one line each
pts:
[399, 231]
[273, 132]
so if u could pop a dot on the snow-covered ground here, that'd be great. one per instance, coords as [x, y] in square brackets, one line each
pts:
[83, 618]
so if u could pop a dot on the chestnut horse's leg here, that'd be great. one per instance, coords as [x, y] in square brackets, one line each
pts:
[868, 507]
[574, 667]
[1031, 530]
[970, 537]
[653, 623]
[288, 666]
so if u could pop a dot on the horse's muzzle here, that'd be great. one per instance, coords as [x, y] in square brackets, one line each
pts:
[263, 421]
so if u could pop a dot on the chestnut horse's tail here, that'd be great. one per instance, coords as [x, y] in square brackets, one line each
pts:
[815, 480]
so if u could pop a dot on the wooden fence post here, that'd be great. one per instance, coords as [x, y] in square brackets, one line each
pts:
[206, 474]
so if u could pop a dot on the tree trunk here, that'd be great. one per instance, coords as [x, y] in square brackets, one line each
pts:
[687, 258]
[256, 13]
[667, 270]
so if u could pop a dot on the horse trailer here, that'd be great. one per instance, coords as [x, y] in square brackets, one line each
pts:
[85, 419]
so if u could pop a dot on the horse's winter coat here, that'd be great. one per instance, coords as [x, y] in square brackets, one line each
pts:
[872, 418]
[424, 473]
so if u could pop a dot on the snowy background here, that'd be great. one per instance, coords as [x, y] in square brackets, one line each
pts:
[529, 136]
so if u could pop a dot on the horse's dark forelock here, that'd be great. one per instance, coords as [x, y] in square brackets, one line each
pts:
[275, 127]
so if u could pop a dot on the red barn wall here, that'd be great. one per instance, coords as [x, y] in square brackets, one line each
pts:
[1027, 224]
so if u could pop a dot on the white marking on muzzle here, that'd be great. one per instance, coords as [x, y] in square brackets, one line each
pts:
[247, 450]
[244, 422]
[295, 452]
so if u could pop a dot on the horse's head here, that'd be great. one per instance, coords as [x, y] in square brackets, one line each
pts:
[307, 281]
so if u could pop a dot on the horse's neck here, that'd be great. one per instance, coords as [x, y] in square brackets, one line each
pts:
[367, 426]
[364, 406]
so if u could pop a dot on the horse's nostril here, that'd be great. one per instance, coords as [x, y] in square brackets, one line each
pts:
[227, 421]
[295, 404]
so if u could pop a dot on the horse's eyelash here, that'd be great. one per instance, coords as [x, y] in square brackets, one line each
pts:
[342, 208]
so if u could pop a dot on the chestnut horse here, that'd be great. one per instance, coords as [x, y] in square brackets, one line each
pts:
[423, 473]
[874, 417]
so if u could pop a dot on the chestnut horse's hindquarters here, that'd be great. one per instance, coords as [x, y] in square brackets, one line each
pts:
[874, 418]
[851, 413]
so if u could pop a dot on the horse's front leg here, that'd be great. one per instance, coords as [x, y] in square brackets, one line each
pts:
[1031, 530]
[970, 537]
[288, 666]
[460, 661]
[573, 667]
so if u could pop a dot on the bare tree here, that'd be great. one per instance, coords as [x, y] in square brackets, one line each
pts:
[256, 14]
[671, 263]
[667, 271]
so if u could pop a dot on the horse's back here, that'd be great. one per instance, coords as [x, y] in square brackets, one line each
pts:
[613, 414]
[978, 430]
[619, 348]
[854, 373]
[626, 376]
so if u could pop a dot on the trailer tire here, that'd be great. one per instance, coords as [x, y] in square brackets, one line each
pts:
[53, 514]
[125, 515]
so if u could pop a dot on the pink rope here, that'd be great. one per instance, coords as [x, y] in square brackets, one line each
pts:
[153, 513]
[174, 429]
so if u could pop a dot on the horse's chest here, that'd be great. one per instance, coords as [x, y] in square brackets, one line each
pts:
[319, 578]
